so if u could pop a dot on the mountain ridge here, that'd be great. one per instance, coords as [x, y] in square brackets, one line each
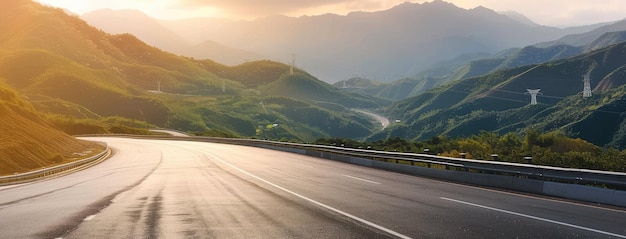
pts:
[497, 102]
[76, 70]
[384, 45]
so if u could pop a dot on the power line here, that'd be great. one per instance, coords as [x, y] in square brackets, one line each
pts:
[539, 103]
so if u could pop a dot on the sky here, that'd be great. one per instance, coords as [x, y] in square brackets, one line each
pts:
[545, 12]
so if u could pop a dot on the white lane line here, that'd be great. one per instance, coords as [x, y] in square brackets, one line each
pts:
[89, 218]
[536, 218]
[119, 196]
[364, 180]
[371, 224]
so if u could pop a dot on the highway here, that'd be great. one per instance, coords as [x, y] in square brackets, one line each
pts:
[178, 189]
[384, 122]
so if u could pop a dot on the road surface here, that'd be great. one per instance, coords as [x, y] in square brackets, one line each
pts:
[384, 122]
[177, 189]
[170, 132]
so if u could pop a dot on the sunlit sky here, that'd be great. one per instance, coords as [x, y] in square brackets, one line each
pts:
[545, 12]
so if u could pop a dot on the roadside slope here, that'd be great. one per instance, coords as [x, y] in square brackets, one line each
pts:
[28, 143]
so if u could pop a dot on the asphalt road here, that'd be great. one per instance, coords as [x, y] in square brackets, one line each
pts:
[175, 189]
[384, 122]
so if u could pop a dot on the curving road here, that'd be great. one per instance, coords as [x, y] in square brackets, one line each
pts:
[384, 122]
[176, 189]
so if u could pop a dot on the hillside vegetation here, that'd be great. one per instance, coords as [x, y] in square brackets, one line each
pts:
[28, 143]
[553, 149]
[497, 102]
[83, 77]
[84, 80]
[472, 65]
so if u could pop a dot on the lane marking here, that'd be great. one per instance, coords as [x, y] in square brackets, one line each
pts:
[89, 218]
[364, 180]
[371, 224]
[534, 217]
[120, 196]
[555, 200]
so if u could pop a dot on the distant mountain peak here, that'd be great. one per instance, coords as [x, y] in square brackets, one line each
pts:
[440, 3]
[436, 4]
[521, 18]
[482, 9]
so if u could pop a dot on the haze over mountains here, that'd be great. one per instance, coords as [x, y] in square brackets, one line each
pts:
[383, 46]
[75, 72]
[471, 65]
[497, 102]
[89, 80]
[153, 32]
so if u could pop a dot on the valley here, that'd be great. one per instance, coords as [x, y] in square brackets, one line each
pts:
[397, 119]
[83, 80]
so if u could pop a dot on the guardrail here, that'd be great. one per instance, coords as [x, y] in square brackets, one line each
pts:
[604, 179]
[597, 178]
[56, 171]
[577, 184]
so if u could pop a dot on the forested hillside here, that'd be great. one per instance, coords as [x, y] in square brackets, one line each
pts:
[87, 77]
[471, 65]
[498, 102]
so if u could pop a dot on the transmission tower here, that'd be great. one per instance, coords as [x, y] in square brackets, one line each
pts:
[293, 63]
[587, 85]
[533, 95]
[263, 106]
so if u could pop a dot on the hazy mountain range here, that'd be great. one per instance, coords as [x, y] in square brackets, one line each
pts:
[497, 101]
[155, 33]
[470, 65]
[384, 46]
[88, 81]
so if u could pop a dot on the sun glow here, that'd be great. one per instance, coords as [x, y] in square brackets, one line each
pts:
[571, 12]
[164, 9]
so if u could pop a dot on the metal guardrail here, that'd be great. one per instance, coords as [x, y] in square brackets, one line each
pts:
[56, 171]
[613, 180]
[604, 179]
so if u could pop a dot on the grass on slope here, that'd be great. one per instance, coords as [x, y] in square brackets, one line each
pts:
[28, 143]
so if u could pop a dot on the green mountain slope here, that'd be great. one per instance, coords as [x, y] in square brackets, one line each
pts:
[28, 143]
[497, 101]
[471, 65]
[70, 69]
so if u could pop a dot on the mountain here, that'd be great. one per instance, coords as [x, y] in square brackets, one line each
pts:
[152, 32]
[520, 18]
[471, 65]
[212, 50]
[606, 39]
[28, 142]
[383, 46]
[139, 24]
[77, 74]
[529, 55]
[586, 37]
[497, 102]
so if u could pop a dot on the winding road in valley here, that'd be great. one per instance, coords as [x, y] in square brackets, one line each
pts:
[384, 122]
[180, 189]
